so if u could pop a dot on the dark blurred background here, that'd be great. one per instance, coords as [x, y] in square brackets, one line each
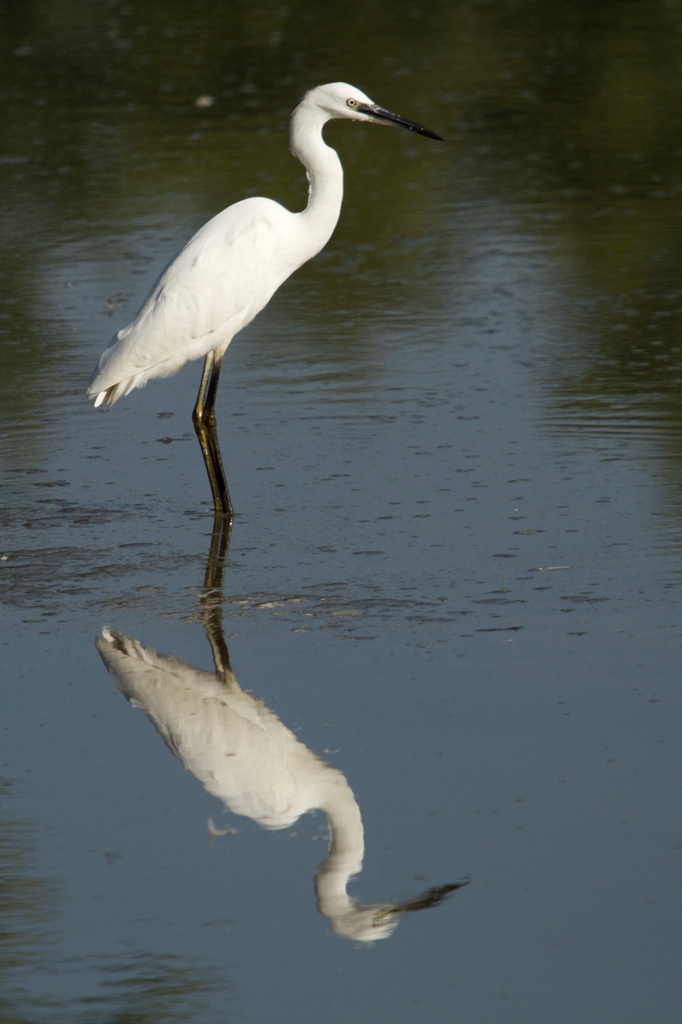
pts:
[564, 116]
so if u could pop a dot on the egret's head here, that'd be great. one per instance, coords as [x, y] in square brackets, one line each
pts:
[338, 99]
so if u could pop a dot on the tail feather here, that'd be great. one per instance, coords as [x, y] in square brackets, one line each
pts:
[116, 391]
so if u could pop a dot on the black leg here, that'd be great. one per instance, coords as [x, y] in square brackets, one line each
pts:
[205, 427]
[212, 597]
[217, 556]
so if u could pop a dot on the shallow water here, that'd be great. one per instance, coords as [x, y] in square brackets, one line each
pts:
[453, 442]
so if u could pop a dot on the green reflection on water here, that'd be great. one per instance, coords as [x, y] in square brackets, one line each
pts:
[121, 989]
[27, 909]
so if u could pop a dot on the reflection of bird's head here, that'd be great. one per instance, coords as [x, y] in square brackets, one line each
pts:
[367, 923]
[371, 922]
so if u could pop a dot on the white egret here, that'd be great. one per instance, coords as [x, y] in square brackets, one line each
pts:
[229, 271]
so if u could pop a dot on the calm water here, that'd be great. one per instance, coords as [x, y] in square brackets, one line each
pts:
[454, 442]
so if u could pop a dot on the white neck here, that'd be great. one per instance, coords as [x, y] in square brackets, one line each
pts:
[323, 169]
[346, 849]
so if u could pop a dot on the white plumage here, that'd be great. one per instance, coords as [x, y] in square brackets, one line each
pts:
[230, 269]
[196, 306]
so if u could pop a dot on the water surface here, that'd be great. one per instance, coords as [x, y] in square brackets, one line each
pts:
[453, 442]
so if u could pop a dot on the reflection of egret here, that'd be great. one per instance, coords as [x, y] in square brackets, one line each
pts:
[229, 271]
[244, 755]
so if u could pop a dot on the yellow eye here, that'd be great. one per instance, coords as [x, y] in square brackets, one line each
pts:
[352, 103]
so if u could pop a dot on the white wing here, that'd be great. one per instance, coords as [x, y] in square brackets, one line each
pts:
[237, 747]
[213, 288]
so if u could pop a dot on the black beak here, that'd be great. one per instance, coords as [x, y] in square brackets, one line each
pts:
[387, 115]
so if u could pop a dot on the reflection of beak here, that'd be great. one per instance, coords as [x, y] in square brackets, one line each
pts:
[385, 115]
[429, 898]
